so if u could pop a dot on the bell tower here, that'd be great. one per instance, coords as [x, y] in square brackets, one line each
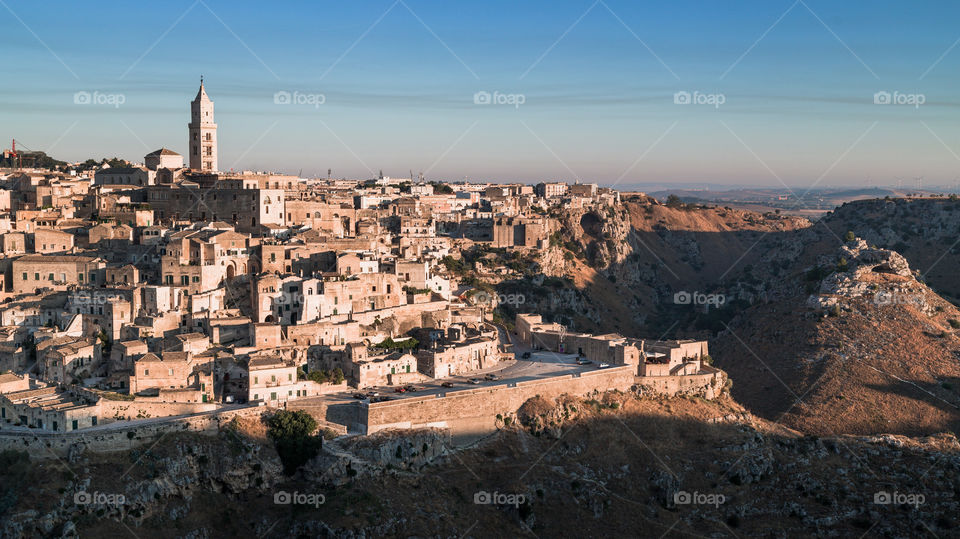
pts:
[203, 133]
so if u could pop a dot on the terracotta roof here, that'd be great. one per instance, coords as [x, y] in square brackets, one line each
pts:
[162, 151]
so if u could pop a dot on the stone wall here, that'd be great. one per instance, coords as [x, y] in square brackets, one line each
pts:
[472, 413]
[707, 384]
[111, 409]
[120, 436]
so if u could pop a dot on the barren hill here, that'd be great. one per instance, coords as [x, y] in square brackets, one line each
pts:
[873, 352]
[618, 465]
[924, 230]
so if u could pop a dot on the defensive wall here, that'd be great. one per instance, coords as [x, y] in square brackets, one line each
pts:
[471, 413]
[118, 436]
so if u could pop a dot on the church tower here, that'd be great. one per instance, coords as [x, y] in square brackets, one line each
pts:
[203, 133]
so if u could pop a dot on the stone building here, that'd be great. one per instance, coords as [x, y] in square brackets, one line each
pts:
[31, 272]
[520, 232]
[49, 408]
[203, 133]
[459, 350]
[652, 358]
[163, 158]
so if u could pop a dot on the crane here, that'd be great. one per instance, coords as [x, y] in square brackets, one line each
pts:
[12, 152]
[18, 156]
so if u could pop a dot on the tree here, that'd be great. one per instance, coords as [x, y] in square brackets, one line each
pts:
[293, 436]
[673, 201]
[441, 188]
[849, 236]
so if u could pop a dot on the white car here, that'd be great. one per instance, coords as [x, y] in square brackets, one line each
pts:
[604, 365]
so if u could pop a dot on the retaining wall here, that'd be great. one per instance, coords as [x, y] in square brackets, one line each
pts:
[119, 436]
[471, 413]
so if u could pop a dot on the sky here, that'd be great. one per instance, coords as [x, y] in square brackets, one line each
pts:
[759, 93]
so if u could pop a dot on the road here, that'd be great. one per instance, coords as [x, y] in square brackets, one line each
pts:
[540, 364]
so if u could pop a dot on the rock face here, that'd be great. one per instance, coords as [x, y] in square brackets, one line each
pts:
[396, 450]
[861, 270]
[182, 468]
[924, 230]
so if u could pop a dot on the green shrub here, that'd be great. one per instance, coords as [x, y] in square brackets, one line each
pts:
[292, 435]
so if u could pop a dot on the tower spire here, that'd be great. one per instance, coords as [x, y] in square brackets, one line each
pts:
[203, 132]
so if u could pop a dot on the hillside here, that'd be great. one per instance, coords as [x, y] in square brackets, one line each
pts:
[879, 355]
[924, 230]
[619, 269]
[665, 467]
[872, 350]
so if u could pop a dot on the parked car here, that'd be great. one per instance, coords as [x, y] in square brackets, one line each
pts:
[447, 384]
[411, 389]
[400, 390]
[373, 394]
[526, 355]
[603, 365]
[359, 396]
[583, 361]
[492, 377]
[474, 381]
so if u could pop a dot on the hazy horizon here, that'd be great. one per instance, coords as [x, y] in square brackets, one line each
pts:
[589, 91]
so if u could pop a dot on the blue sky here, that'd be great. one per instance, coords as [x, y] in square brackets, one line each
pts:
[597, 79]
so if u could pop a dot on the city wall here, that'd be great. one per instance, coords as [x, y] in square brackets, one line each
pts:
[116, 436]
[707, 384]
[472, 413]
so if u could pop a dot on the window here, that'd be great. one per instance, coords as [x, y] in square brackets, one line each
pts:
[289, 377]
[273, 395]
[146, 372]
[256, 379]
[24, 276]
[36, 276]
[75, 424]
[50, 277]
